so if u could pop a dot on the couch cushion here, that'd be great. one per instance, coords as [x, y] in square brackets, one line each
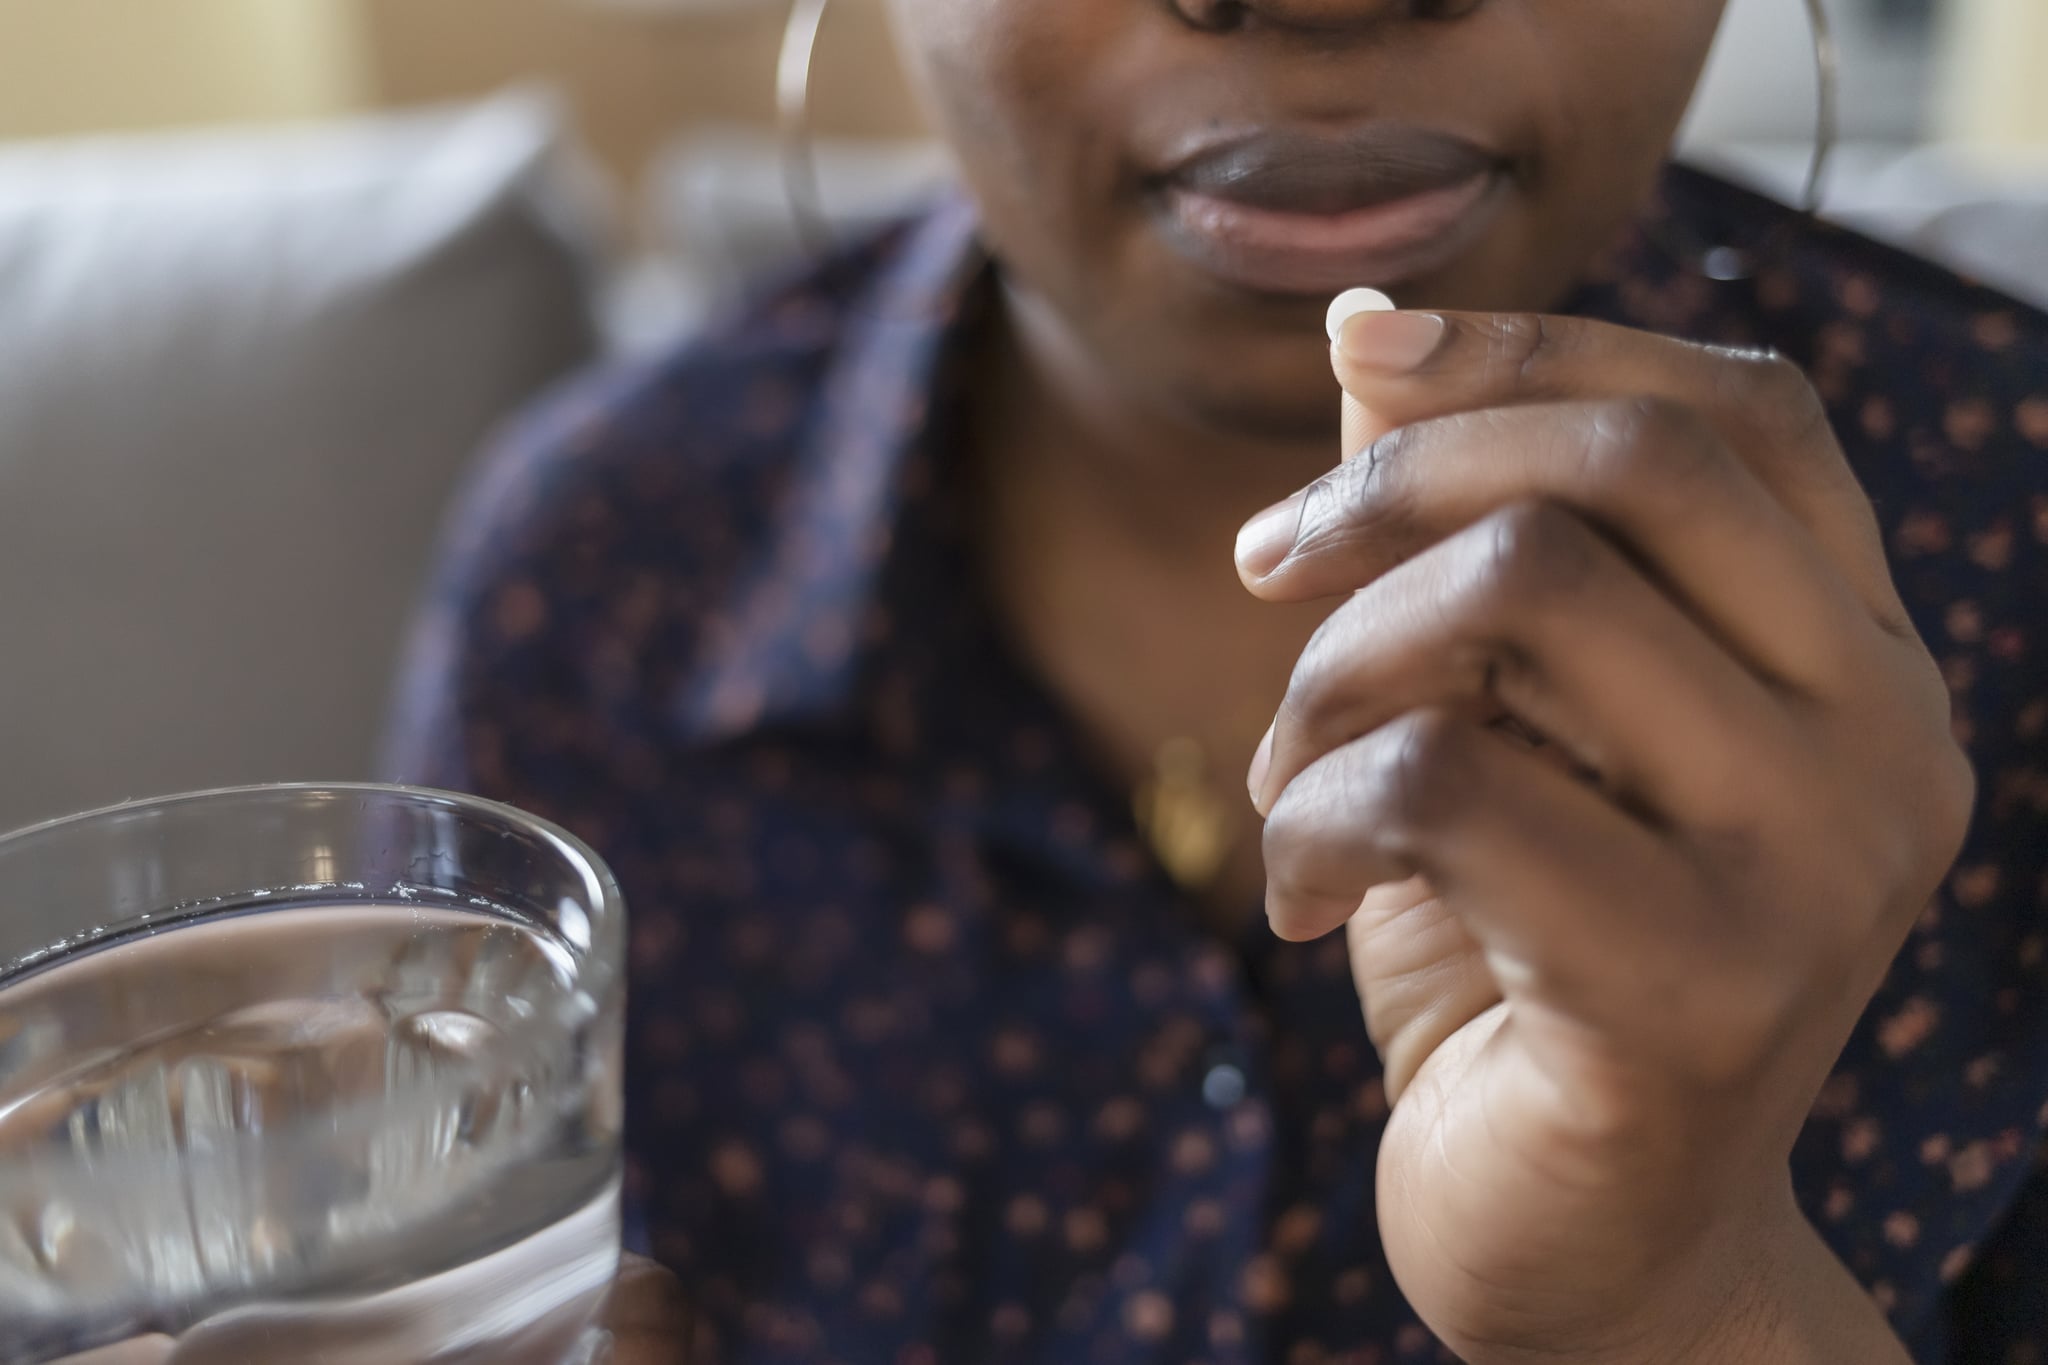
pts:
[239, 374]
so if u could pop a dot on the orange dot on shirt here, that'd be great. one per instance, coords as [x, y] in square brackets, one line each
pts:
[1015, 1052]
[1994, 331]
[1297, 1229]
[1148, 1316]
[1972, 1168]
[1975, 886]
[519, 611]
[1351, 1287]
[1264, 1285]
[1860, 296]
[1193, 1152]
[1026, 1216]
[928, 929]
[1086, 1230]
[2032, 420]
[1969, 423]
[1120, 1119]
[1009, 1321]
[736, 1170]
[944, 1194]
[1910, 1027]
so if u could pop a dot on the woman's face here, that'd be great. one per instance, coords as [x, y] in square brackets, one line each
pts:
[1176, 187]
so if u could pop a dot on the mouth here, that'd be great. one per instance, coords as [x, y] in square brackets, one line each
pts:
[1290, 212]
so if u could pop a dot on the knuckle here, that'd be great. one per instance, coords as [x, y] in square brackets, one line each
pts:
[1362, 496]
[1768, 388]
[1420, 776]
[1955, 797]
[1941, 823]
[1654, 445]
[1538, 554]
[1307, 870]
[1319, 672]
[1901, 850]
[1520, 349]
[1737, 1023]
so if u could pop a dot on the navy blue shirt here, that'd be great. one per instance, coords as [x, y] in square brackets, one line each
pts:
[928, 1061]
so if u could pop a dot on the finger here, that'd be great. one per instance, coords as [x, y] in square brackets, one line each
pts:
[1402, 368]
[650, 1318]
[1647, 472]
[1574, 905]
[1420, 975]
[1533, 611]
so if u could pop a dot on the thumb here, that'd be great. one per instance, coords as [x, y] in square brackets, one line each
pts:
[651, 1320]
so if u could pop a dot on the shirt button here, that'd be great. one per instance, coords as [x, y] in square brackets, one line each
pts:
[1224, 1086]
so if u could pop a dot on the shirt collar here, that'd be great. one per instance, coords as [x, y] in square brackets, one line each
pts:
[791, 647]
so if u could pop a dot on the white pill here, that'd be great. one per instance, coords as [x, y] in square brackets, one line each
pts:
[1351, 303]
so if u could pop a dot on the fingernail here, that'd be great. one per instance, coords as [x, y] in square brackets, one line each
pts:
[1266, 540]
[1262, 762]
[1393, 343]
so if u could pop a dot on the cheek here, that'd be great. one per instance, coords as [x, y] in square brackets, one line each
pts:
[1004, 79]
[1618, 79]
[1606, 84]
[1013, 85]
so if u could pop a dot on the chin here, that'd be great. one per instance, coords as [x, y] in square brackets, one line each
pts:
[1266, 414]
[1259, 385]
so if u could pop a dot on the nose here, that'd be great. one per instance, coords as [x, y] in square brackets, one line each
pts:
[1224, 16]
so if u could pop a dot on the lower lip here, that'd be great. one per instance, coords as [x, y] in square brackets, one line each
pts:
[1274, 251]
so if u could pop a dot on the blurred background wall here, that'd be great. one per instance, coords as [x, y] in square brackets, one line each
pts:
[70, 66]
[638, 71]
[635, 71]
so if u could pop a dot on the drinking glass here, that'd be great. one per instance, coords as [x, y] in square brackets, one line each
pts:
[314, 1074]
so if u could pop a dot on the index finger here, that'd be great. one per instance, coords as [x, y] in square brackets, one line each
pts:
[1401, 368]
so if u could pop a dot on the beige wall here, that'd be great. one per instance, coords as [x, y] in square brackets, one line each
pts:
[71, 66]
[634, 76]
[1994, 93]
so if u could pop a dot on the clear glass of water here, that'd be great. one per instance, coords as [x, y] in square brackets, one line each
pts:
[323, 1075]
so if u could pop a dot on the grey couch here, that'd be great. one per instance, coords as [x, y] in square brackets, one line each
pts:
[239, 374]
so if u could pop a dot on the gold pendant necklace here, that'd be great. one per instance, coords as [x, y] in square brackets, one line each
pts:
[1181, 816]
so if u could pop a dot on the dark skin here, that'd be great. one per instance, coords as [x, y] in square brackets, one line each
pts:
[1608, 976]
[1124, 368]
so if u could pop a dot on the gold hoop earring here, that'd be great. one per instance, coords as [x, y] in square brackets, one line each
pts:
[793, 117]
[1827, 72]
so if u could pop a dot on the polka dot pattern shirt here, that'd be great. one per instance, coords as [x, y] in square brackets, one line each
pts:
[928, 1061]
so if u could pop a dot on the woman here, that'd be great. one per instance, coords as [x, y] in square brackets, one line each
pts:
[1607, 728]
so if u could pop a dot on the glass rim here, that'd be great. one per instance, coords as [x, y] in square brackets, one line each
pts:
[599, 966]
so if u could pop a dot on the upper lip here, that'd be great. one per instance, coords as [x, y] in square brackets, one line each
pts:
[1299, 171]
